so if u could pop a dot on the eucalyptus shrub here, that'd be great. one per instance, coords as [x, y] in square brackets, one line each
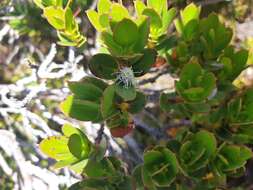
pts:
[202, 155]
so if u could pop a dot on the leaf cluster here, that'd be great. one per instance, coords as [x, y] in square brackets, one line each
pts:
[202, 155]
[59, 15]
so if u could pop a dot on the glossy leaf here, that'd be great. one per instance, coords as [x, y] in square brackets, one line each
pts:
[104, 6]
[118, 12]
[108, 107]
[125, 32]
[94, 19]
[195, 153]
[103, 66]
[231, 158]
[137, 104]
[78, 146]
[191, 12]
[143, 33]
[82, 110]
[55, 16]
[139, 7]
[85, 91]
[158, 5]
[195, 85]
[155, 19]
[56, 147]
[127, 94]
[70, 150]
[161, 165]
[143, 65]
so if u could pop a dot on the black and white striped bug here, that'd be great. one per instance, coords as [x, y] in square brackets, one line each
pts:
[125, 77]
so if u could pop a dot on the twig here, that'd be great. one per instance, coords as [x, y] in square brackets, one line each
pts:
[134, 147]
[160, 72]
[153, 132]
[178, 124]
[99, 135]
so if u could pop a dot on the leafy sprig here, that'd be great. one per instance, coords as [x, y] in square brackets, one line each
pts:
[202, 155]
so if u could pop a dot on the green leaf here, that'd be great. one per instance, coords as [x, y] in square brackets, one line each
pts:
[227, 68]
[206, 139]
[70, 39]
[58, 3]
[93, 17]
[167, 19]
[189, 74]
[143, 65]
[155, 19]
[82, 110]
[85, 91]
[208, 83]
[223, 38]
[55, 16]
[56, 147]
[151, 158]
[215, 36]
[69, 20]
[63, 163]
[239, 59]
[235, 158]
[143, 32]
[161, 165]
[179, 26]
[104, 6]
[125, 32]
[79, 146]
[103, 66]
[79, 166]
[127, 94]
[138, 103]
[69, 130]
[104, 21]
[147, 180]
[158, 5]
[246, 153]
[114, 48]
[211, 22]
[118, 12]
[108, 107]
[139, 7]
[191, 12]
[69, 150]
[108, 168]
[198, 107]
[192, 94]
[195, 85]
[95, 81]
[195, 153]
[190, 30]
[97, 169]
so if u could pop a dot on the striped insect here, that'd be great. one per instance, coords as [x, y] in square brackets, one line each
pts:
[126, 78]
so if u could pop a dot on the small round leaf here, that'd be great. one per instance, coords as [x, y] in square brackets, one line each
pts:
[103, 66]
[125, 32]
